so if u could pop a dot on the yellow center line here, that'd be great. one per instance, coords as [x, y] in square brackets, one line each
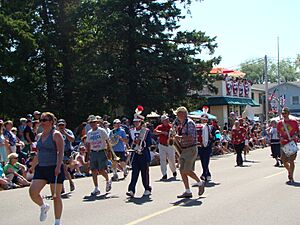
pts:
[159, 212]
[276, 174]
[152, 215]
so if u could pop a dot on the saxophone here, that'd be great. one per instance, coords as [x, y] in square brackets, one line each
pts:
[171, 138]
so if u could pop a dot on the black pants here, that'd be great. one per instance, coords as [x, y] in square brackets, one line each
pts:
[139, 164]
[239, 149]
[205, 153]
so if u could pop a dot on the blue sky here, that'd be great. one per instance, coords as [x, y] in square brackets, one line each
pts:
[248, 29]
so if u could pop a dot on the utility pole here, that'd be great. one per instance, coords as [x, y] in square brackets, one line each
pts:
[266, 88]
[278, 77]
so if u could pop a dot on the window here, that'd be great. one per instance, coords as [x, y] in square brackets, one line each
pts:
[260, 98]
[252, 96]
[295, 100]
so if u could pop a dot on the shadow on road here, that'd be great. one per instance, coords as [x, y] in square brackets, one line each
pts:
[251, 161]
[187, 202]
[91, 198]
[209, 184]
[171, 179]
[139, 201]
[65, 195]
[295, 184]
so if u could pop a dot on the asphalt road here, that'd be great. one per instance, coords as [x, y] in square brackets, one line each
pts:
[256, 194]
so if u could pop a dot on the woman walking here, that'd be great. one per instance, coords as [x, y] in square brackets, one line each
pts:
[48, 167]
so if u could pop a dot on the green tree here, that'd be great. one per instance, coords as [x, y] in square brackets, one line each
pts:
[254, 70]
[81, 57]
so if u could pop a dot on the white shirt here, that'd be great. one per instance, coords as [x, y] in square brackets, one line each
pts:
[205, 134]
[97, 139]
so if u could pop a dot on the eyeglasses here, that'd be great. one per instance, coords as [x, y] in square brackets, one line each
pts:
[44, 120]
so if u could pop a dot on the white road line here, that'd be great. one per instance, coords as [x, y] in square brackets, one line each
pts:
[276, 174]
[158, 213]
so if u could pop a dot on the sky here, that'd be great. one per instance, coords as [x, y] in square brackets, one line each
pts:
[248, 29]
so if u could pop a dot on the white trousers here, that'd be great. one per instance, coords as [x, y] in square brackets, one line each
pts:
[166, 153]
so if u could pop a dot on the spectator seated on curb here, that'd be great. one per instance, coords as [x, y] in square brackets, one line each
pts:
[84, 167]
[226, 141]
[29, 174]
[74, 166]
[218, 148]
[4, 181]
[15, 171]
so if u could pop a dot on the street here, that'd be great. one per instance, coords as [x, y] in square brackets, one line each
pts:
[256, 194]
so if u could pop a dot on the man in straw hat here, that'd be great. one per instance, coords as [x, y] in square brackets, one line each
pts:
[166, 151]
[96, 145]
[187, 137]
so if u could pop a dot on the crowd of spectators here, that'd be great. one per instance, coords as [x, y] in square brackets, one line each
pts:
[18, 146]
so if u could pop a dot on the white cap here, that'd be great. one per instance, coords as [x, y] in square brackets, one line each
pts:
[117, 121]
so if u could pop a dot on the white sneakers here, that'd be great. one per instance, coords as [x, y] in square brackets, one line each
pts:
[44, 210]
[130, 194]
[95, 192]
[147, 193]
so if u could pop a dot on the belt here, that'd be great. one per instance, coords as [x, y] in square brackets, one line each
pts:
[188, 147]
[92, 150]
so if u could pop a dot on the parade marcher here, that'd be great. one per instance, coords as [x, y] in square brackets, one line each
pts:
[246, 146]
[48, 167]
[186, 136]
[166, 151]
[68, 137]
[291, 126]
[140, 140]
[118, 140]
[238, 134]
[205, 147]
[275, 142]
[96, 144]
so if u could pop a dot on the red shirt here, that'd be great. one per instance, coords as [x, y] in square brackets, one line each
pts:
[163, 139]
[292, 127]
[238, 136]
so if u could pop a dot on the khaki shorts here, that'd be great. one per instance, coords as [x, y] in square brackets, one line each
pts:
[284, 158]
[188, 158]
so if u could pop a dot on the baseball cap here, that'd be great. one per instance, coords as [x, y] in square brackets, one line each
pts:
[117, 121]
[164, 117]
[36, 113]
[61, 121]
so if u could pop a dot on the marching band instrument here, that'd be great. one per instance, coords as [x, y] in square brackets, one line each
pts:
[139, 141]
[110, 154]
[171, 138]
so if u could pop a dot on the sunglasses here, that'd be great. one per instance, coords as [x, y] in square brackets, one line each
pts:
[44, 120]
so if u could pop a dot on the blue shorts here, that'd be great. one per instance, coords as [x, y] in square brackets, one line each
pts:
[47, 173]
[122, 156]
[98, 160]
